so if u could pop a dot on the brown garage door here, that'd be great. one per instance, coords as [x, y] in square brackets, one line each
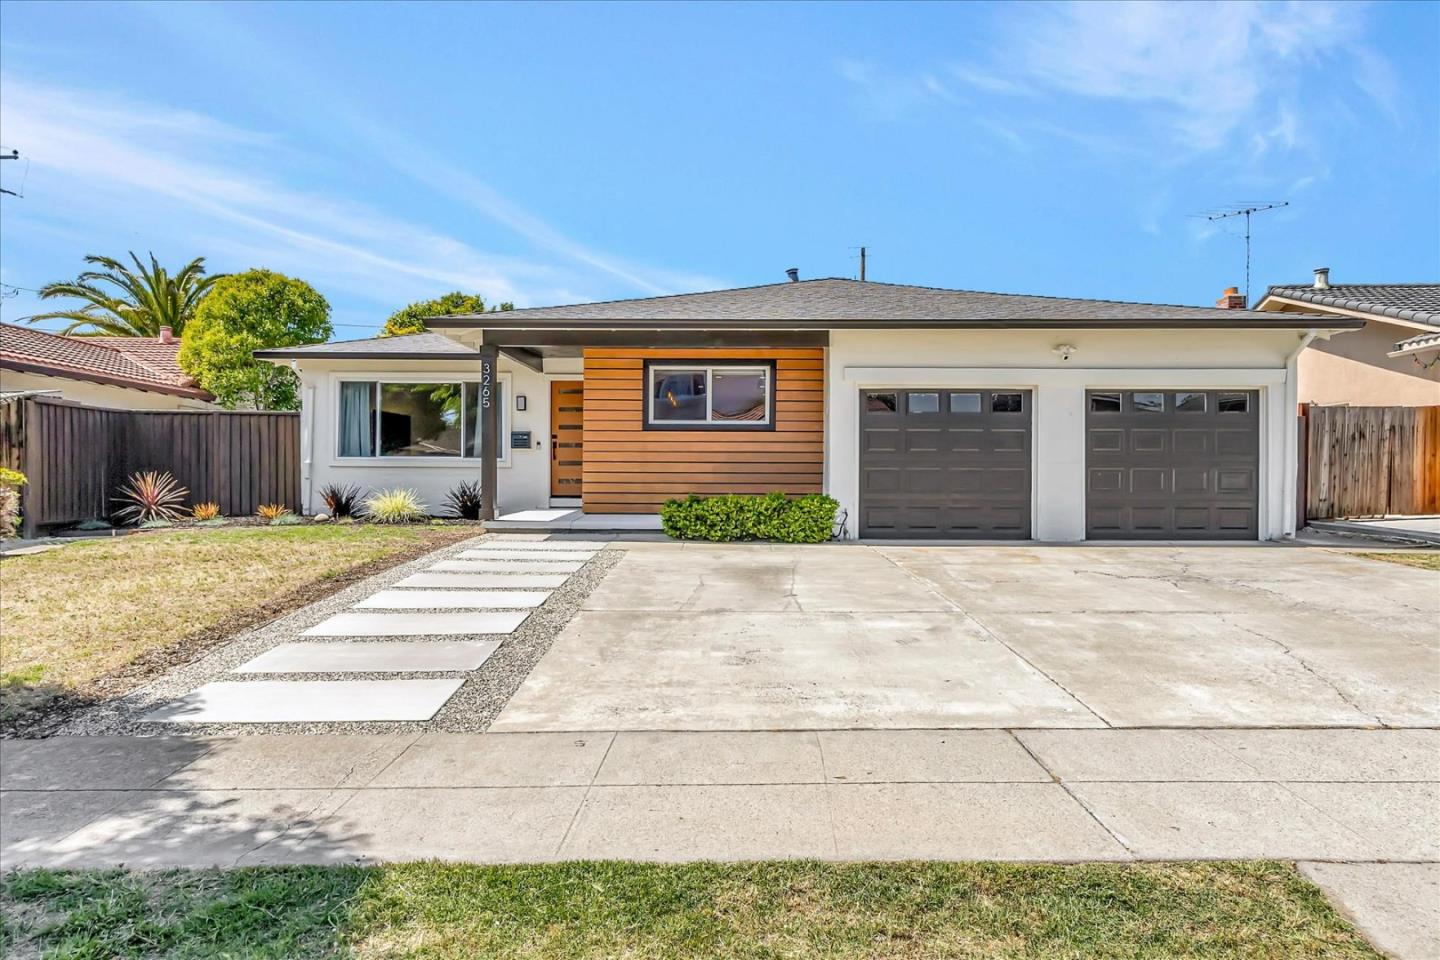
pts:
[945, 464]
[1172, 464]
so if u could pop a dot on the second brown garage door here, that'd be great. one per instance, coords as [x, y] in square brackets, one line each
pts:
[1172, 464]
[945, 464]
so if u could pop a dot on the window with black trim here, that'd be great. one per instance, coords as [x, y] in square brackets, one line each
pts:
[1190, 403]
[880, 403]
[710, 396]
[964, 403]
[922, 403]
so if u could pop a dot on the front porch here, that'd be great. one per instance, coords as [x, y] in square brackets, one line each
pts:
[567, 519]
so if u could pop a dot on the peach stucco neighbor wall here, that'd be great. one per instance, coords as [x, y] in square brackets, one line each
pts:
[1353, 368]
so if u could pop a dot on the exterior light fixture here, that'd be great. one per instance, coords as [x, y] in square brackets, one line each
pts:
[520, 401]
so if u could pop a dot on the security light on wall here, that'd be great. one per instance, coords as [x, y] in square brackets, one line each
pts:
[1063, 351]
[520, 401]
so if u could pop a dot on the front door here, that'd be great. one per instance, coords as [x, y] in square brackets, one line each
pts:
[567, 423]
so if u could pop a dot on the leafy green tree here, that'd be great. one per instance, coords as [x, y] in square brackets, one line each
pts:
[120, 302]
[246, 312]
[411, 319]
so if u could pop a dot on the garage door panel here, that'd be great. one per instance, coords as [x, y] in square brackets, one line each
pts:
[957, 466]
[1181, 464]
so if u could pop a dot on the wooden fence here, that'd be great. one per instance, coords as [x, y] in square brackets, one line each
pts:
[1370, 461]
[77, 457]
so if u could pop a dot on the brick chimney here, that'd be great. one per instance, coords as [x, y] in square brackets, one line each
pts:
[167, 335]
[1232, 299]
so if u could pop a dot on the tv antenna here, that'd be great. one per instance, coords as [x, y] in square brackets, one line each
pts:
[1246, 212]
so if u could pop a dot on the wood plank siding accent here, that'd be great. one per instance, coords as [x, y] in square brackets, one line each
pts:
[629, 469]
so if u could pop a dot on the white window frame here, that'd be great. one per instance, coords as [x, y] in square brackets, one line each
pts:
[376, 459]
[709, 423]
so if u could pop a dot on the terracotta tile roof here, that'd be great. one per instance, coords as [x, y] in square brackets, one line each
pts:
[144, 364]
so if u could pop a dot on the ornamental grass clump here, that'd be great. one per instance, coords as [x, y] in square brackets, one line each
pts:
[395, 506]
[271, 511]
[208, 510]
[151, 496]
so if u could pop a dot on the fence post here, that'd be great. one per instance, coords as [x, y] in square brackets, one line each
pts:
[30, 466]
[1302, 467]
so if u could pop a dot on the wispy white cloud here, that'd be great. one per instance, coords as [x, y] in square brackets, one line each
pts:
[194, 179]
[1190, 78]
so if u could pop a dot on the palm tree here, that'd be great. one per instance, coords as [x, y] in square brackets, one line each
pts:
[145, 301]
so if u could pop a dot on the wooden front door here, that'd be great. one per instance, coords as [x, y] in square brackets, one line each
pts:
[567, 422]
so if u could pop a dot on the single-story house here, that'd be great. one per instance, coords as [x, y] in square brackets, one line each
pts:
[927, 413]
[1391, 362]
[122, 373]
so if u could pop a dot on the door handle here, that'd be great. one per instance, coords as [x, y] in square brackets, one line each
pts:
[554, 438]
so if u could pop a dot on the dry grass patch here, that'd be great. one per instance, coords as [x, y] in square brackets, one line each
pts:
[1425, 560]
[96, 618]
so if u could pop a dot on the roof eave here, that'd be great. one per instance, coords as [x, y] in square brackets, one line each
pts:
[1270, 321]
[89, 376]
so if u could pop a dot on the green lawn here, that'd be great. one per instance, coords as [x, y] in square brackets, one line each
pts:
[94, 618]
[608, 910]
[1428, 560]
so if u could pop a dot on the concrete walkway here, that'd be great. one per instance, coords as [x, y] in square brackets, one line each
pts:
[1359, 808]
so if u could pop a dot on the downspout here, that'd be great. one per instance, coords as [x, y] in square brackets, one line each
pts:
[1292, 442]
[307, 440]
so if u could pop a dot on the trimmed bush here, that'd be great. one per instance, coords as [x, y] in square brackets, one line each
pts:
[774, 516]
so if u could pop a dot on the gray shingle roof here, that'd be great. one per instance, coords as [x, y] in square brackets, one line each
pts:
[1416, 302]
[833, 301]
[1425, 342]
[413, 346]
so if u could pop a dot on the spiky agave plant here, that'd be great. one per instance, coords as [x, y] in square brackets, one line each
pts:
[272, 511]
[395, 506]
[342, 500]
[151, 495]
[208, 510]
[463, 500]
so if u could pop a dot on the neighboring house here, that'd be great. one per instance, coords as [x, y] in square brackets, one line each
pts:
[1391, 362]
[927, 413]
[123, 373]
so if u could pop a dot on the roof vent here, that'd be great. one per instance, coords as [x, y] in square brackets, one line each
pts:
[1322, 278]
[167, 335]
[793, 273]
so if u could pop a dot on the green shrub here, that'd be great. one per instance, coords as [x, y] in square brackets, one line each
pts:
[286, 519]
[155, 524]
[395, 506]
[774, 516]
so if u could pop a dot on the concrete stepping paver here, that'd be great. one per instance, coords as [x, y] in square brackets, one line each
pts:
[506, 566]
[547, 555]
[309, 701]
[419, 624]
[458, 599]
[394, 656]
[572, 545]
[508, 581]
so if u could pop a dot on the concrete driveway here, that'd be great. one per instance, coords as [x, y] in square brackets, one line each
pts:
[765, 637]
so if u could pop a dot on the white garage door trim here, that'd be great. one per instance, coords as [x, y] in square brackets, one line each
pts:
[1058, 458]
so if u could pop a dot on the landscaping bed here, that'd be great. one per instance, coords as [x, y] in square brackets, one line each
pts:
[791, 909]
[92, 620]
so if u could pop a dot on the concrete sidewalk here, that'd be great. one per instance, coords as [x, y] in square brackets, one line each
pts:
[1351, 795]
[1359, 808]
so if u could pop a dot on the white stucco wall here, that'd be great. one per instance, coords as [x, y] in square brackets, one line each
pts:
[1203, 359]
[524, 475]
[99, 394]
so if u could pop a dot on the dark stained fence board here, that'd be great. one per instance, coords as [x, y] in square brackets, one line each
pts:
[77, 458]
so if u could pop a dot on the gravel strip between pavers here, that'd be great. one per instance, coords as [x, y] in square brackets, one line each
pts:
[470, 710]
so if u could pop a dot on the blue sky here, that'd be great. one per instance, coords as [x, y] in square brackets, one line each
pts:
[555, 153]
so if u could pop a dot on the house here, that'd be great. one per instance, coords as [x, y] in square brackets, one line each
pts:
[1394, 361]
[927, 413]
[123, 373]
